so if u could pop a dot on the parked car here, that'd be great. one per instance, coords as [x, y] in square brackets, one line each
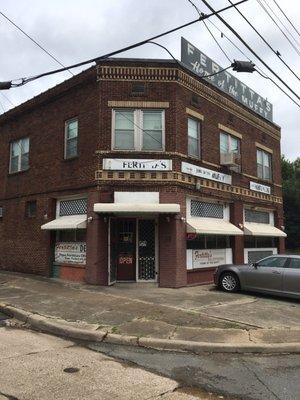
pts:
[278, 275]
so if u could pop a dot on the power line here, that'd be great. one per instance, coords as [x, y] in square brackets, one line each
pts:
[35, 42]
[9, 84]
[284, 34]
[264, 40]
[259, 70]
[286, 17]
[253, 52]
[210, 32]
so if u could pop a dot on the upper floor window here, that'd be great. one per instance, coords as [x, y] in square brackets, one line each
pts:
[30, 209]
[71, 138]
[193, 137]
[260, 217]
[141, 130]
[229, 144]
[19, 155]
[264, 167]
[72, 207]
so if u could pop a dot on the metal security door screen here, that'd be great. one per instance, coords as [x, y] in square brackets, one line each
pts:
[123, 250]
[146, 250]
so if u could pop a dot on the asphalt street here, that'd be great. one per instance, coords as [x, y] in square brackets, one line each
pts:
[246, 377]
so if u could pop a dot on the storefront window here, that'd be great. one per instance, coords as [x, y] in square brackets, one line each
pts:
[73, 235]
[209, 242]
[259, 242]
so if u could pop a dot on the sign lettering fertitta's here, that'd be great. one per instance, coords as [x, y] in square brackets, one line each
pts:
[202, 65]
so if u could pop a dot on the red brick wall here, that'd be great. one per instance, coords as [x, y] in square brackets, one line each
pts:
[74, 273]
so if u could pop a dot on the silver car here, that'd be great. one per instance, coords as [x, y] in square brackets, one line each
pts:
[278, 275]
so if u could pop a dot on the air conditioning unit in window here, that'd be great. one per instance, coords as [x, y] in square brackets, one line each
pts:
[230, 159]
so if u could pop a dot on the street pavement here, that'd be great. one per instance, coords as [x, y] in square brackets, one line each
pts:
[35, 366]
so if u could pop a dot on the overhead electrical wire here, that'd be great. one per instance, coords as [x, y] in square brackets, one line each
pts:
[264, 40]
[210, 32]
[23, 81]
[284, 34]
[34, 41]
[254, 53]
[267, 5]
[296, 30]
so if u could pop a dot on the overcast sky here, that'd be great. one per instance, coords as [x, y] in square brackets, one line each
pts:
[82, 29]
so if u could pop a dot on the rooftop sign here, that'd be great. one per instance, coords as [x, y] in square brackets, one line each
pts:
[202, 65]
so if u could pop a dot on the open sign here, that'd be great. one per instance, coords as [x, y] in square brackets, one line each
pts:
[125, 260]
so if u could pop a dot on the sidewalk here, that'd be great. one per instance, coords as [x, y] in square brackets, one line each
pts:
[172, 319]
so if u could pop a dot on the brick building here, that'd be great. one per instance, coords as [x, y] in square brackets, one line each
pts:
[137, 170]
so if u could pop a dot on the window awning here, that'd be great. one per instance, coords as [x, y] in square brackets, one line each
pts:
[67, 222]
[255, 229]
[136, 208]
[212, 226]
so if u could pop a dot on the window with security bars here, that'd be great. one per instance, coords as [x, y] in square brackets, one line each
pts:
[260, 217]
[72, 207]
[207, 210]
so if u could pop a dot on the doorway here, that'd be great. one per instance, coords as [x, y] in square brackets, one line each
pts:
[133, 250]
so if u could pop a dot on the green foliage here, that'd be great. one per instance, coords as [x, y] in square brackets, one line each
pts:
[291, 200]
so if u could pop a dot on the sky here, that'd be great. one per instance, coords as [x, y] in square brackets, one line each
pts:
[77, 30]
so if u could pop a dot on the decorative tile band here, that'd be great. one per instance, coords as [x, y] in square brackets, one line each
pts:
[181, 178]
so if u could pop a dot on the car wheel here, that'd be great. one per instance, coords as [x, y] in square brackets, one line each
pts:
[229, 282]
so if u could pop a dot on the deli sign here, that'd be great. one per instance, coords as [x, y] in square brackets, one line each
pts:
[70, 252]
[130, 164]
[202, 65]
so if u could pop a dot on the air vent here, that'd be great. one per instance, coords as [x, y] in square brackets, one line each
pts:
[195, 100]
[138, 89]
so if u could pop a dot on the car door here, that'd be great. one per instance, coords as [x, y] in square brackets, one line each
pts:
[266, 275]
[291, 277]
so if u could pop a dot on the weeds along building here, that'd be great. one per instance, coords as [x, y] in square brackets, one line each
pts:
[137, 170]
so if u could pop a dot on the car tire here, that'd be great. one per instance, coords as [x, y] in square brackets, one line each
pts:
[229, 282]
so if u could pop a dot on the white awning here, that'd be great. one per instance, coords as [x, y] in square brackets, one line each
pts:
[136, 208]
[212, 226]
[67, 222]
[255, 229]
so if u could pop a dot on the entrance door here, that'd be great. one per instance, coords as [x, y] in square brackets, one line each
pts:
[146, 250]
[123, 249]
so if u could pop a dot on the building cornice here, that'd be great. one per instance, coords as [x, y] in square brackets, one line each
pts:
[172, 74]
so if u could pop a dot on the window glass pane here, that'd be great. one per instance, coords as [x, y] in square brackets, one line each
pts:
[197, 244]
[259, 156]
[124, 120]
[24, 145]
[15, 148]
[71, 148]
[262, 217]
[193, 147]
[124, 140]
[152, 130]
[294, 263]
[72, 129]
[259, 171]
[273, 262]
[234, 145]
[206, 210]
[193, 128]
[152, 120]
[24, 161]
[152, 140]
[224, 143]
[14, 164]
[266, 159]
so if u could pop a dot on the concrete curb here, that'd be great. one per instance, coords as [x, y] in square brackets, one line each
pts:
[68, 330]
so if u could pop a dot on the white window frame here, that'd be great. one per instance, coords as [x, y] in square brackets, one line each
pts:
[226, 209]
[198, 156]
[67, 122]
[269, 156]
[19, 142]
[270, 212]
[229, 141]
[138, 130]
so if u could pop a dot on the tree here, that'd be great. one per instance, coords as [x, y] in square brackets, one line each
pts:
[291, 200]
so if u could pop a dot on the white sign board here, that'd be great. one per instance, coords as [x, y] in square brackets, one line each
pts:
[208, 258]
[257, 187]
[205, 173]
[129, 164]
[70, 253]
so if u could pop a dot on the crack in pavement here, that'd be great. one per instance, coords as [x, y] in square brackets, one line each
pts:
[8, 396]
